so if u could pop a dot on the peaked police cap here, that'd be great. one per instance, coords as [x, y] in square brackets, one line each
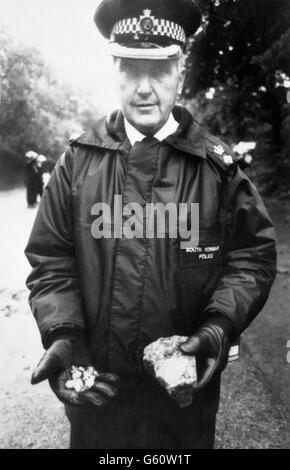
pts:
[153, 29]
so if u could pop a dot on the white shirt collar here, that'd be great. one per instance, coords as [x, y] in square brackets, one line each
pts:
[134, 135]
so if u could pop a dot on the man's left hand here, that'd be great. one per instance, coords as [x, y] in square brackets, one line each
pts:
[211, 347]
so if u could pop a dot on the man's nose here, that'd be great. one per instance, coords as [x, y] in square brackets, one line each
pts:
[144, 86]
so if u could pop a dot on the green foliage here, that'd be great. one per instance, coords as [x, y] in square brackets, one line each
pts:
[36, 112]
[243, 55]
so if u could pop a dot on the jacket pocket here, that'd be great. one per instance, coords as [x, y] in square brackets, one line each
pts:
[199, 269]
[208, 251]
[206, 254]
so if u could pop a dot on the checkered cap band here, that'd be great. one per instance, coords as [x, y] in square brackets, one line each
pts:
[161, 28]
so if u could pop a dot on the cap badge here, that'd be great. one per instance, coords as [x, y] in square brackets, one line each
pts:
[218, 149]
[146, 23]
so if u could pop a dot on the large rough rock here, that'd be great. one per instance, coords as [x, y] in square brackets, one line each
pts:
[175, 371]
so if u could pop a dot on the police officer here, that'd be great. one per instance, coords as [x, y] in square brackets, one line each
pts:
[31, 176]
[100, 299]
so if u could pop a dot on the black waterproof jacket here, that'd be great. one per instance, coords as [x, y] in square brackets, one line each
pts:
[125, 293]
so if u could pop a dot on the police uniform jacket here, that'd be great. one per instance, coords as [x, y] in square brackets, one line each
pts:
[126, 293]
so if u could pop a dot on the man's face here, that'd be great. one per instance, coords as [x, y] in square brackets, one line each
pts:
[148, 91]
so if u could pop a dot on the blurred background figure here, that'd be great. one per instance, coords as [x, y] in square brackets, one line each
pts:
[31, 178]
[36, 177]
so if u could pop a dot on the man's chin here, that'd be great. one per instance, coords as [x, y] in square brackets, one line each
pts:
[147, 126]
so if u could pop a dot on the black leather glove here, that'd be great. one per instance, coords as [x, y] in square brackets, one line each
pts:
[55, 364]
[211, 347]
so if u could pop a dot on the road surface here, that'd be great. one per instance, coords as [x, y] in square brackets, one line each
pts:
[255, 404]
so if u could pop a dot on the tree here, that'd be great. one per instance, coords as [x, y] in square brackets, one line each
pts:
[242, 55]
[36, 112]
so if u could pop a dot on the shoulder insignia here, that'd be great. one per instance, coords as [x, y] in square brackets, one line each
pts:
[218, 150]
[228, 159]
[221, 152]
[221, 155]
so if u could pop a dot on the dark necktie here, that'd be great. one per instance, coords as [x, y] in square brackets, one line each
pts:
[149, 140]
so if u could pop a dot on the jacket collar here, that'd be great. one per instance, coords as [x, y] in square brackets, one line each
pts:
[190, 136]
[136, 136]
[110, 134]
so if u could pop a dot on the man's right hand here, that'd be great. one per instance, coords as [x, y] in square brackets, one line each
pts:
[55, 365]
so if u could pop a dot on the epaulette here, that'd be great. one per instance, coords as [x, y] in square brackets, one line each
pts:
[221, 155]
